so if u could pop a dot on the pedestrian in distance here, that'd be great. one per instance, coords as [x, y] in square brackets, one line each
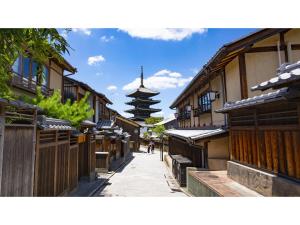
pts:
[149, 147]
[152, 146]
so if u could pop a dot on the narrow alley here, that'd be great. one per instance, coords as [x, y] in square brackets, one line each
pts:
[144, 176]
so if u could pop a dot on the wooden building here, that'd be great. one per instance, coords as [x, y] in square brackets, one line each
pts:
[75, 90]
[131, 127]
[228, 76]
[26, 78]
[265, 135]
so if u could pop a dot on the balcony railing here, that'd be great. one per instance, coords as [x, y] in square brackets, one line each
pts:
[184, 115]
[199, 111]
[29, 85]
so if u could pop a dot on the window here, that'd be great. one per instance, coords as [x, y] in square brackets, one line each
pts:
[17, 66]
[29, 69]
[26, 68]
[204, 103]
[45, 76]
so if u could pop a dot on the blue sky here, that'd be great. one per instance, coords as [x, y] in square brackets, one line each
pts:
[109, 60]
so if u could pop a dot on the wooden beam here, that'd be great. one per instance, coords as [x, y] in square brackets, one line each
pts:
[243, 76]
[283, 45]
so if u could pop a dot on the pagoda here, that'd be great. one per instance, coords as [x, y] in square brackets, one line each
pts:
[142, 101]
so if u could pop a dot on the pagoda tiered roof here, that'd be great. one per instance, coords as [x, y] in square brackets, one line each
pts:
[138, 101]
[139, 109]
[142, 102]
[142, 91]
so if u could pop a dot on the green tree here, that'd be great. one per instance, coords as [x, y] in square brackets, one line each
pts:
[153, 120]
[38, 43]
[159, 129]
[75, 112]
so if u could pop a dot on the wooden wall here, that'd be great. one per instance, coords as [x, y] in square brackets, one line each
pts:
[196, 154]
[17, 146]
[272, 143]
[18, 161]
[55, 163]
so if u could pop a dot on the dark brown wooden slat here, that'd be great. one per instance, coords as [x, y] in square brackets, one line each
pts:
[282, 155]
[289, 153]
[296, 145]
[268, 149]
[274, 147]
[254, 148]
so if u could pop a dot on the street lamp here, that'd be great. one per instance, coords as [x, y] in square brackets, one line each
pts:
[213, 95]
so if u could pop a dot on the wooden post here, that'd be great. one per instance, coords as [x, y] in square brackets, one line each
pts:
[2, 126]
[243, 76]
[37, 161]
[55, 163]
[69, 160]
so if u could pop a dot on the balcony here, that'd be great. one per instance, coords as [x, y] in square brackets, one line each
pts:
[29, 85]
[200, 110]
[183, 115]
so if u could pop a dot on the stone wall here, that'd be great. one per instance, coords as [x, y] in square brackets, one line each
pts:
[264, 183]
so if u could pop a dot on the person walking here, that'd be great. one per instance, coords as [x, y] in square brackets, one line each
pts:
[152, 146]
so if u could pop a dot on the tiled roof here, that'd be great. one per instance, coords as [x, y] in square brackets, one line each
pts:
[286, 73]
[142, 90]
[47, 123]
[264, 98]
[105, 124]
[195, 134]
[18, 104]
[88, 123]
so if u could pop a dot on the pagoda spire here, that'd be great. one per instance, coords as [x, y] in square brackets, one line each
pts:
[142, 77]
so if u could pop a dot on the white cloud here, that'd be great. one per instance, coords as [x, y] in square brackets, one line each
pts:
[168, 73]
[92, 60]
[105, 38]
[98, 74]
[163, 79]
[84, 31]
[112, 88]
[64, 34]
[165, 34]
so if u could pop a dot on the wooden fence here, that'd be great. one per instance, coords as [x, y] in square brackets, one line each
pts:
[196, 154]
[87, 157]
[267, 139]
[55, 163]
[17, 146]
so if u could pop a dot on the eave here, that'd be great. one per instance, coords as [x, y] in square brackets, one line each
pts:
[222, 57]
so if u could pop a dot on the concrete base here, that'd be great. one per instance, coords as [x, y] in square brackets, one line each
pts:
[264, 183]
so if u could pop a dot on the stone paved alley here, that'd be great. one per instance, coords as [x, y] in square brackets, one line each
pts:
[144, 176]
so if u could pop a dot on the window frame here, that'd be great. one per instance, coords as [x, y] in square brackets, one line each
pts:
[30, 77]
[204, 102]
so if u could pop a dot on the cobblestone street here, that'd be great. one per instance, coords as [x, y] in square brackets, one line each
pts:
[144, 176]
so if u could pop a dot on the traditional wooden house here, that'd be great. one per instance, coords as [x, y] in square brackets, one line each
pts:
[131, 127]
[75, 90]
[265, 136]
[26, 76]
[202, 135]
[113, 145]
